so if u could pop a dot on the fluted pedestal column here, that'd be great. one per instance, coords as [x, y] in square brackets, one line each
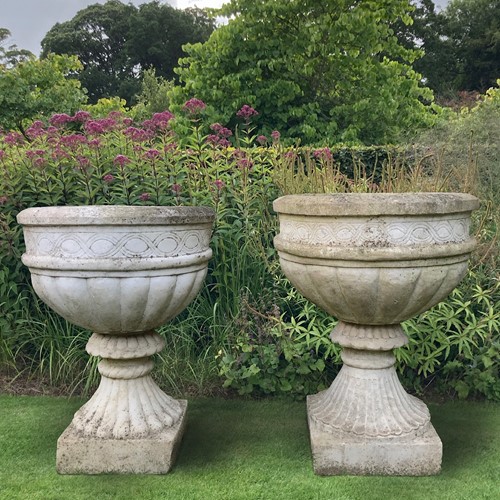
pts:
[365, 422]
[129, 425]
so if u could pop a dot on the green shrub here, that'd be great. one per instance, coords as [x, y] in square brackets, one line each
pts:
[276, 352]
[456, 344]
[471, 135]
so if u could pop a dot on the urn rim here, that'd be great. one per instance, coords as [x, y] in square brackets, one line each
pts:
[115, 215]
[375, 204]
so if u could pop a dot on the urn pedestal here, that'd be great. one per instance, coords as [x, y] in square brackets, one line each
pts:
[373, 261]
[121, 272]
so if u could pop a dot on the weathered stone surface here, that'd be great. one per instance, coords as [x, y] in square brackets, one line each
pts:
[115, 269]
[416, 454]
[153, 454]
[373, 260]
[120, 271]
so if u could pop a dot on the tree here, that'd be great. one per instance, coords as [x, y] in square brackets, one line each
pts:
[117, 42]
[153, 97]
[37, 88]
[97, 35]
[461, 44]
[158, 32]
[321, 70]
[11, 55]
[473, 28]
[426, 33]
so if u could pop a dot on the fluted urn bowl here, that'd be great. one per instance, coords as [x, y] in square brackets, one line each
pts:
[120, 271]
[114, 269]
[373, 261]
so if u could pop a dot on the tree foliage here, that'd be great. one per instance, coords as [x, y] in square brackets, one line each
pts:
[11, 55]
[153, 97]
[426, 33]
[116, 42]
[315, 69]
[473, 28]
[37, 88]
[461, 44]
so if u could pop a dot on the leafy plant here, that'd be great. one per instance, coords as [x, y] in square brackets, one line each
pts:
[277, 353]
[35, 88]
[456, 342]
[313, 69]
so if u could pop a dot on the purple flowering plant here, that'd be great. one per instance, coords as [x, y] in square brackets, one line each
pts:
[114, 159]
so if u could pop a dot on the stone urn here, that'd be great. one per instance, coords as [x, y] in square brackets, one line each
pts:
[373, 261]
[120, 271]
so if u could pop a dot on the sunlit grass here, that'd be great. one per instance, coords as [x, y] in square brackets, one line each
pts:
[235, 449]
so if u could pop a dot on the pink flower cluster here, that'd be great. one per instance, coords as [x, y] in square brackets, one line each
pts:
[220, 138]
[138, 134]
[37, 157]
[101, 125]
[121, 160]
[323, 154]
[13, 138]
[36, 129]
[72, 141]
[152, 154]
[194, 106]
[61, 119]
[241, 159]
[159, 121]
[246, 112]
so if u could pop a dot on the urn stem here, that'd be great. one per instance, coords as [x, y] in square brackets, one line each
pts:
[128, 404]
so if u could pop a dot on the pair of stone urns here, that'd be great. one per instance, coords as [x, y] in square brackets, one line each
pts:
[370, 260]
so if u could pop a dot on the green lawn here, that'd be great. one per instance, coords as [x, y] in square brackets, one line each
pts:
[237, 449]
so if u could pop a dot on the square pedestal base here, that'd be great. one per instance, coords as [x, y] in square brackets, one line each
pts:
[151, 455]
[343, 454]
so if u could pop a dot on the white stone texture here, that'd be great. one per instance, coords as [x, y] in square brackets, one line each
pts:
[373, 260]
[154, 454]
[120, 271]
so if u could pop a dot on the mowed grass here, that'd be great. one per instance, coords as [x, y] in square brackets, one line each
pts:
[241, 449]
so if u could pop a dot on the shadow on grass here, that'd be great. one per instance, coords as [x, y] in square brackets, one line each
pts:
[221, 432]
[468, 432]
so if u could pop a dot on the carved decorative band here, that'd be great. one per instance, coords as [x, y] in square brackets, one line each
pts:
[377, 232]
[60, 266]
[369, 337]
[117, 244]
[125, 369]
[368, 403]
[109, 414]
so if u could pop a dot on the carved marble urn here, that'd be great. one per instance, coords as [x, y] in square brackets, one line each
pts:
[373, 261]
[121, 272]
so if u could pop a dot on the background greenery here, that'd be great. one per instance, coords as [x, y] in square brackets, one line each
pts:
[328, 70]
[116, 42]
[248, 329]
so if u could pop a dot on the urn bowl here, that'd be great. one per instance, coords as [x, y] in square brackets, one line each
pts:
[115, 269]
[375, 259]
